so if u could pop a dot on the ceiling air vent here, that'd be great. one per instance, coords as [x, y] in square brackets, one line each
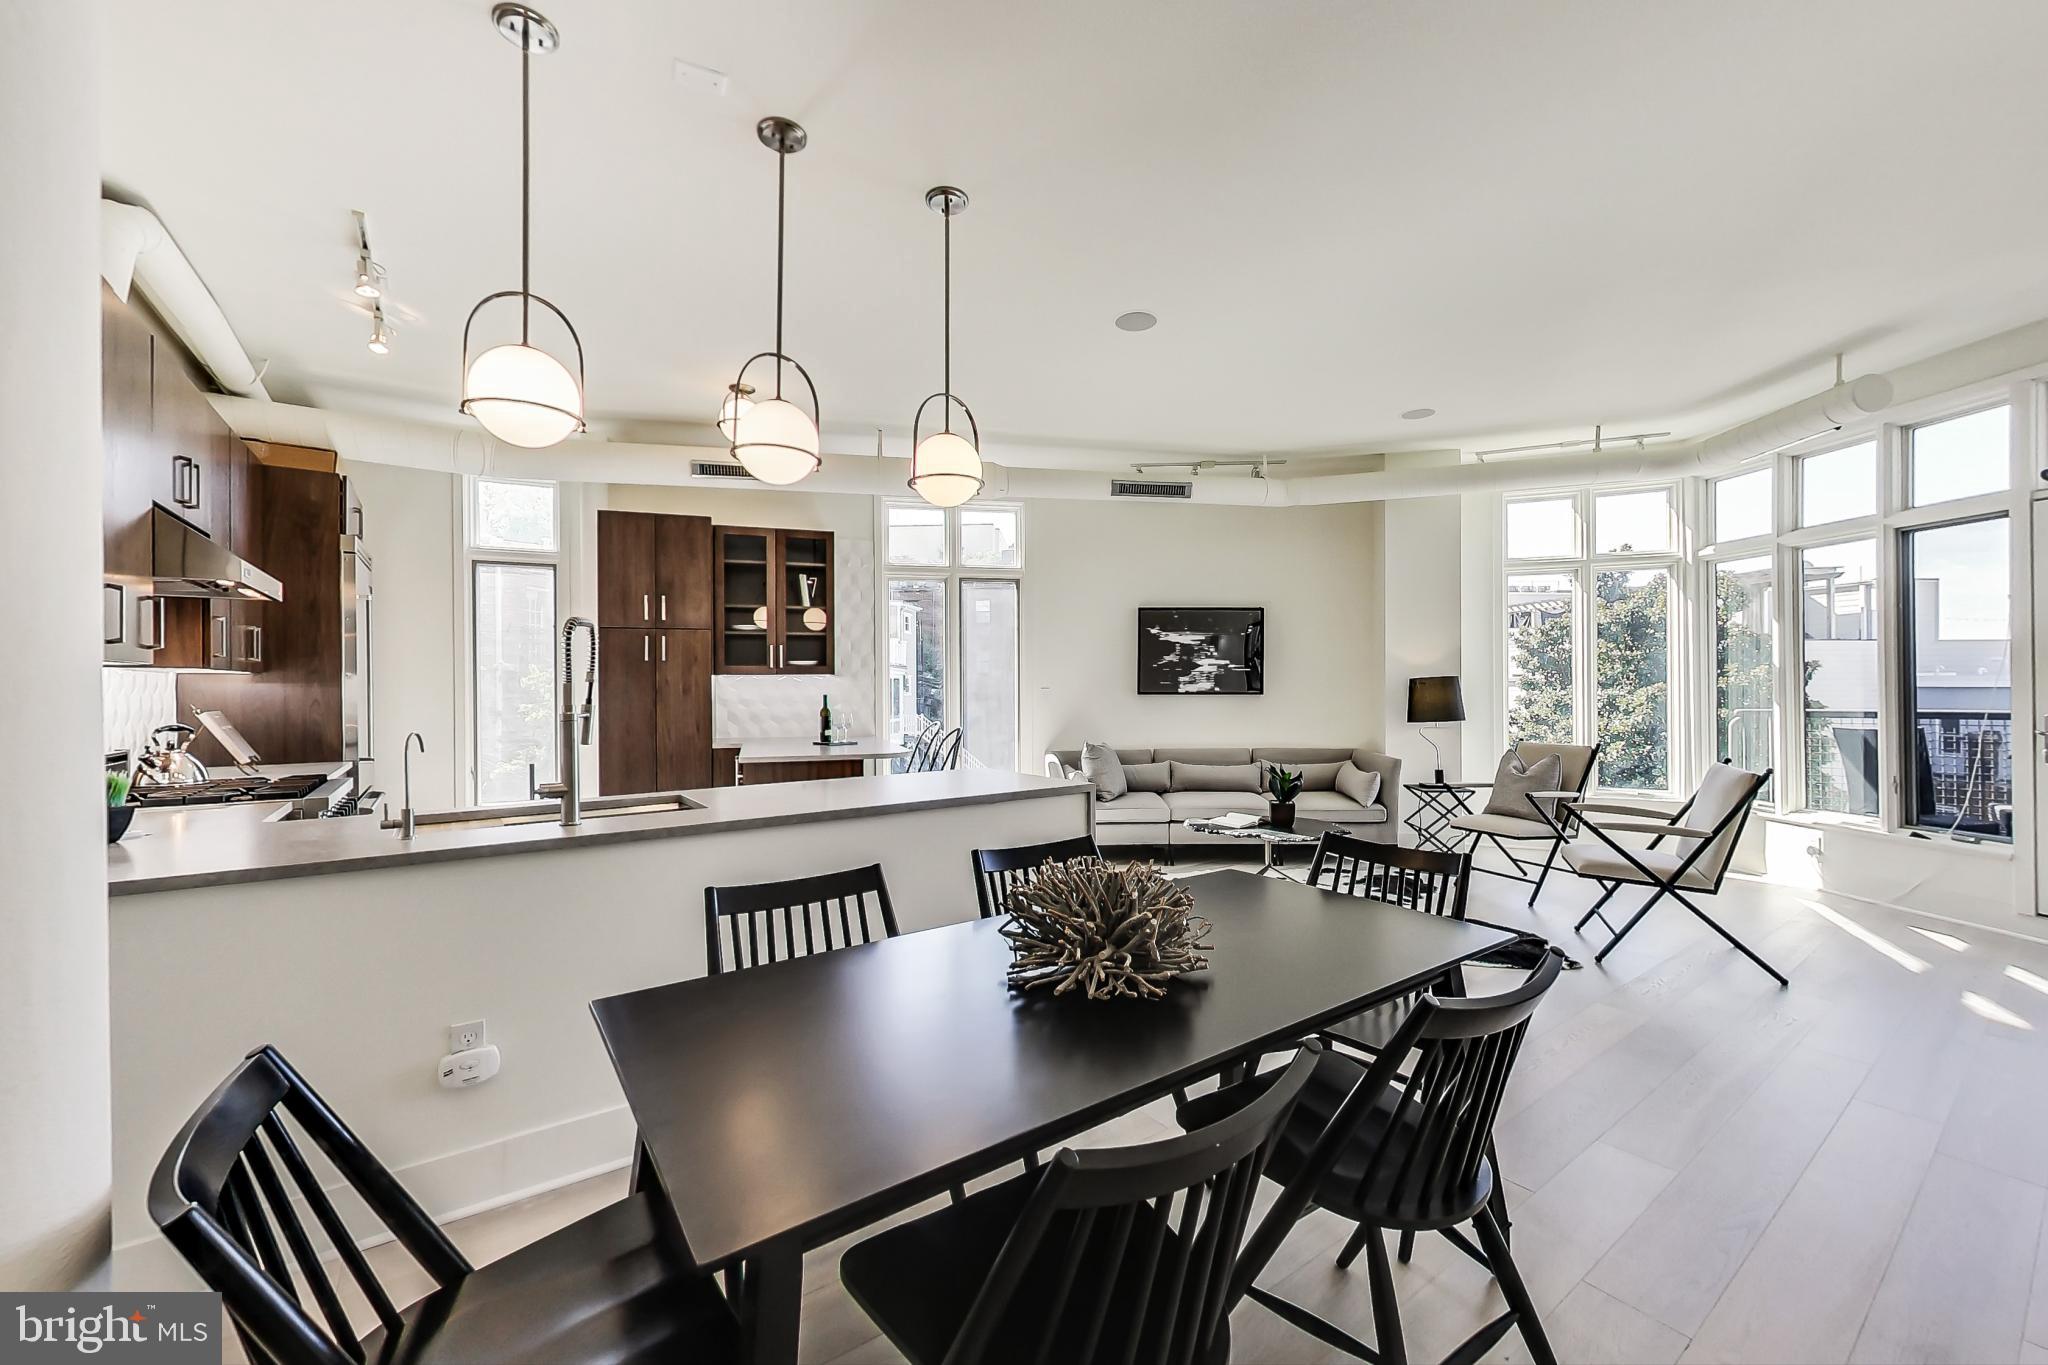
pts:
[1149, 488]
[719, 469]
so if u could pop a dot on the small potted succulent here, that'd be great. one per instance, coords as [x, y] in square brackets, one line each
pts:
[1282, 786]
[119, 813]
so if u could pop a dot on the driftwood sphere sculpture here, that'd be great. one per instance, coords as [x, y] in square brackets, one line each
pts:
[1111, 930]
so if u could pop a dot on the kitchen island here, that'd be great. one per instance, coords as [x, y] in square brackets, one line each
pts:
[801, 760]
[354, 952]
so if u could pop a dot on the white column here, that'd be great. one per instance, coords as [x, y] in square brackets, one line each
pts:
[55, 1148]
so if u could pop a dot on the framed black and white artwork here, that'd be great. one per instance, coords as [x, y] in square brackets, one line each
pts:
[1201, 651]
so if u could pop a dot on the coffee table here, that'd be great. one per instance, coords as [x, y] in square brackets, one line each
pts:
[1268, 837]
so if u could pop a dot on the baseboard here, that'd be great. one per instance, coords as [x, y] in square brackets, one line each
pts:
[451, 1186]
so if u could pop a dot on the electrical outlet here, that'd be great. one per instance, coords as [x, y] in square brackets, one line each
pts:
[463, 1037]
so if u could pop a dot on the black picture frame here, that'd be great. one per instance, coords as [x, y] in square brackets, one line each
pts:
[1201, 651]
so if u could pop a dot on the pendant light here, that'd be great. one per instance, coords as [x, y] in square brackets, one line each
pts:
[945, 467]
[518, 392]
[739, 400]
[774, 439]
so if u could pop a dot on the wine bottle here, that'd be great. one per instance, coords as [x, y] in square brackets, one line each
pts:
[825, 721]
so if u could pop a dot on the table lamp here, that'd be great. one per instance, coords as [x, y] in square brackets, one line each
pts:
[1435, 701]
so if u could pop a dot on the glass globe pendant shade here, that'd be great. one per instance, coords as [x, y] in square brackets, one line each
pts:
[945, 469]
[776, 441]
[736, 406]
[523, 396]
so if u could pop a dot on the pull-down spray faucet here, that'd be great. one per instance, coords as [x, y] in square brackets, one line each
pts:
[570, 788]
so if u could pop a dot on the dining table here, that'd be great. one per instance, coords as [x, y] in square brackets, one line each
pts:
[784, 1106]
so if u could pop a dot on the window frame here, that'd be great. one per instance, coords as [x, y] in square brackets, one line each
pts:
[1585, 568]
[952, 574]
[564, 560]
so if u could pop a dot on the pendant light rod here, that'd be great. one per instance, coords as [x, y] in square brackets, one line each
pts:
[946, 201]
[781, 136]
[525, 188]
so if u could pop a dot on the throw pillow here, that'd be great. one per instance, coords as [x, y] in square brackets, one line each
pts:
[1216, 777]
[1100, 765]
[1358, 784]
[1514, 781]
[1318, 777]
[1149, 777]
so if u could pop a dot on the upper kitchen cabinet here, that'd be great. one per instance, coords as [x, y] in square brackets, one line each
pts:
[136, 477]
[653, 571]
[774, 600]
[194, 445]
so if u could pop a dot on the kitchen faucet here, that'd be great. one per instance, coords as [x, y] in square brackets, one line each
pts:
[570, 788]
[404, 824]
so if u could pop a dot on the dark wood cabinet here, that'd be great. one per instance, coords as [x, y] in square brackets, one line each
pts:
[135, 479]
[653, 571]
[654, 710]
[773, 600]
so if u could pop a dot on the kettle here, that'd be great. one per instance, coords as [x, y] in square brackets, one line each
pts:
[168, 760]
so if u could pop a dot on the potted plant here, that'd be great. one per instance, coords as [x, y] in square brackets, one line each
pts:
[119, 812]
[1282, 786]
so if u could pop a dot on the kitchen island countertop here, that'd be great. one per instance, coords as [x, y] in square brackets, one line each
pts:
[201, 846]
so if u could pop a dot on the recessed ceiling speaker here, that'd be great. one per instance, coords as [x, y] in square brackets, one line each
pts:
[1136, 322]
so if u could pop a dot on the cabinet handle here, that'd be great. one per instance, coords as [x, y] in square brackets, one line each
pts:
[155, 617]
[198, 483]
[255, 644]
[645, 657]
[664, 649]
[664, 606]
[221, 629]
[114, 611]
[643, 607]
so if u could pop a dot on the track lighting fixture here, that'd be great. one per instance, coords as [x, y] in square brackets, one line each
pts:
[380, 332]
[369, 282]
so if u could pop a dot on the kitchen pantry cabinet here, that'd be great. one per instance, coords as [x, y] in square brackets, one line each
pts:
[774, 600]
[653, 710]
[653, 571]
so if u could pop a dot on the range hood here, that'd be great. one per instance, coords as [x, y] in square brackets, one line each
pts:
[186, 563]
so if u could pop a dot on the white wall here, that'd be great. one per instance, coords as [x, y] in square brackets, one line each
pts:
[420, 647]
[53, 925]
[1422, 541]
[362, 973]
[1089, 566]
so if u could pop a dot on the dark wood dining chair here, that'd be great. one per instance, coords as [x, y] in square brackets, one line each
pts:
[745, 926]
[943, 755]
[1409, 1154]
[996, 870]
[914, 761]
[1423, 880]
[229, 1192]
[1120, 1254]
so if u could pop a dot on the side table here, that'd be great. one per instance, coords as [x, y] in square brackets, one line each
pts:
[1436, 805]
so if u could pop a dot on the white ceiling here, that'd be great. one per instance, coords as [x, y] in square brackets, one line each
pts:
[1530, 217]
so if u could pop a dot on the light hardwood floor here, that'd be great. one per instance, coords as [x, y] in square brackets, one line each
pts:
[1701, 1167]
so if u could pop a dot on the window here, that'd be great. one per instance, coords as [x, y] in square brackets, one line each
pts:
[1838, 613]
[1961, 457]
[514, 541]
[1745, 663]
[1540, 650]
[508, 514]
[953, 626]
[1838, 485]
[1632, 677]
[917, 656]
[988, 537]
[1543, 528]
[1633, 523]
[917, 535]
[988, 669]
[1743, 505]
[1958, 617]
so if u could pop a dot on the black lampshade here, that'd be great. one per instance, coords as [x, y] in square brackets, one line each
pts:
[1434, 701]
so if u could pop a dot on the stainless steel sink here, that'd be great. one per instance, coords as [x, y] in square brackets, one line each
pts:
[550, 812]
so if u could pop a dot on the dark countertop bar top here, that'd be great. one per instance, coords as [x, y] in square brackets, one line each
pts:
[168, 850]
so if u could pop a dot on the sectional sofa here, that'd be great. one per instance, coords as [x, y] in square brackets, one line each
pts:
[1171, 786]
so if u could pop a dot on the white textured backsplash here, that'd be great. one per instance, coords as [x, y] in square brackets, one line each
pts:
[747, 706]
[133, 702]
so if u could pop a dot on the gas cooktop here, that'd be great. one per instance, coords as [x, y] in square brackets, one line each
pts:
[216, 791]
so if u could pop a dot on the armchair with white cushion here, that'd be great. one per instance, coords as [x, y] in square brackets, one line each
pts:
[1702, 834]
